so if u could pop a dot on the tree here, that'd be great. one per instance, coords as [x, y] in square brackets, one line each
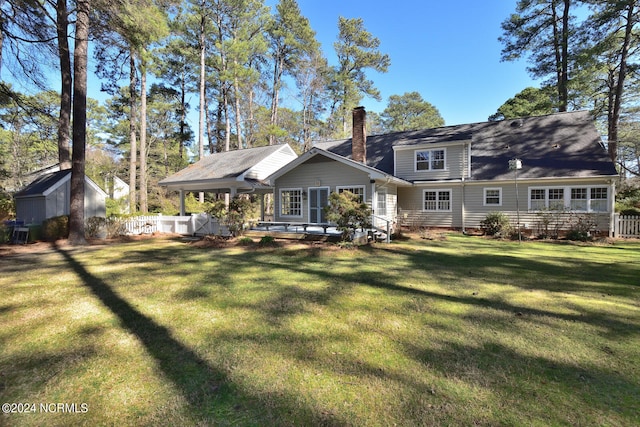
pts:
[529, 102]
[348, 212]
[614, 46]
[410, 112]
[541, 30]
[357, 51]
[76, 215]
[291, 39]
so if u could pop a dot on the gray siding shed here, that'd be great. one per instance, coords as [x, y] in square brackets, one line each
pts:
[49, 196]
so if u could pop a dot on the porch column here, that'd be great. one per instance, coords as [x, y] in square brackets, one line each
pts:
[182, 208]
[612, 208]
[262, 207]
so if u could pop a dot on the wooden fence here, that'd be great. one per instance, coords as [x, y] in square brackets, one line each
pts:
[627, 226]
[193, 225]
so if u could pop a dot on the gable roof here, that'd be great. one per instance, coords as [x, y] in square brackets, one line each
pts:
[48, 183]
[562, 145]
[316, 151]
[249, 165]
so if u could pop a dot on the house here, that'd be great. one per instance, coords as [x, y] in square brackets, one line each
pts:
[232, 172]
[50, 196]
[454, 176]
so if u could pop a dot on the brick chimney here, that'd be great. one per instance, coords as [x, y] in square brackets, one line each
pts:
[359, 139]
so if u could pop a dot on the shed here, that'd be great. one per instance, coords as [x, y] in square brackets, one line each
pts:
[49, 196]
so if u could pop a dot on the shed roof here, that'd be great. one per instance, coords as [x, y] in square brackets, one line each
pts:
[47, 183]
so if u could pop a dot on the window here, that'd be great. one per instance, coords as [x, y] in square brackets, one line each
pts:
[381, 209]
[538, 199]
[492, 196]
[581, 199]
[578, 200]
[357, 190]
[599, 199]
[430, 160]
[437, 200]
[291, 202]
[556, 198]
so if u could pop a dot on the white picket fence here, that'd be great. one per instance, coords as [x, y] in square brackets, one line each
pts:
[627, 226]
[192, 225]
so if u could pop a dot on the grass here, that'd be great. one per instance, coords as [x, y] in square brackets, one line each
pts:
[463, 331]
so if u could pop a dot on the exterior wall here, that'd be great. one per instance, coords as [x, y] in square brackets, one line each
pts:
[411, 211]
[272, 163]
[412, 214]
[34, 210]
[31, 210]
[319, 172]
[455, 165]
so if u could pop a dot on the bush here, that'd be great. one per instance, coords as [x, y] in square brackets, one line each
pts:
[348, 213]
[267, 241]
[550, 221]
[115, 227]
[582, 228]
[245, 241]
[241, 209]
[496, 224]
[95, 227]
[56, 228]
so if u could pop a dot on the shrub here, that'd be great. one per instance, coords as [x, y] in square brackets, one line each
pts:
[582, 227]
[56, 228]
[267, 241]
[348, 213]
[115, 227]
[245, 241]
[550, 221]
[496, 224]
[95, 226]
[241, 208]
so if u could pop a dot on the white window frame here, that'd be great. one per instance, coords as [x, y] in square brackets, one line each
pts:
[342, 188]
[300, 207]
[484, 196]
[430, 161]
[567, 201]
[438, 191]
[381, 202]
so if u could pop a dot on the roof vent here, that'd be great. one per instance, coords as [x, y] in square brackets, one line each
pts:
[555, 146]
[517, 123]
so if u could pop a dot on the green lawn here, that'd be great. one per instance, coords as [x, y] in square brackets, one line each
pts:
[459, 331]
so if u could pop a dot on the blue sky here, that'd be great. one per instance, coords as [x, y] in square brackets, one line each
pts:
[448, 51]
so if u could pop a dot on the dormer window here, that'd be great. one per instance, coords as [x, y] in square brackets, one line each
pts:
[427, 160]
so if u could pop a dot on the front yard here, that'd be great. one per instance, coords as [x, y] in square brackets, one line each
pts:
[454, 331]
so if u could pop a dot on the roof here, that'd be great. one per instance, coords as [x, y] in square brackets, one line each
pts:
[47, 183]
[563, 145]
[374, 173]
[225, 167]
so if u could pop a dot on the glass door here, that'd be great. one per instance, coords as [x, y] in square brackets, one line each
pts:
[318, 199]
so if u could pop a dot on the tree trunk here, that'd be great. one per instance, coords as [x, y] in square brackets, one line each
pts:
[64, 119]
[132, 134]
[76, 216]
[202, 93]
[619, 88]
[563, 83]
[143, 135]
[236, 90]
[277, 78]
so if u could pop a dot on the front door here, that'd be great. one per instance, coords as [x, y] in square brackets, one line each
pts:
[318, 199]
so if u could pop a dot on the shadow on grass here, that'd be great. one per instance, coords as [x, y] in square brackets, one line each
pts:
[211, 395]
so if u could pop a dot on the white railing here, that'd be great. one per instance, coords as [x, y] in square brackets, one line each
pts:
[196, 224]
[627, 226]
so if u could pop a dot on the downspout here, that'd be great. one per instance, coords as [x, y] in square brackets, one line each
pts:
[465, 160]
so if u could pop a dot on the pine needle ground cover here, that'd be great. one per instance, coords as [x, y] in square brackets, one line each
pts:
[460, 331]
